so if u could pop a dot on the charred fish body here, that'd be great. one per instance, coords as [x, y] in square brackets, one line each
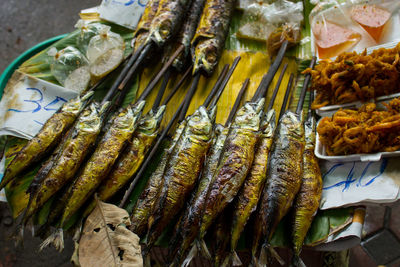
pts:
[145, 204]
[103, 158]
[182, 170]
[284, 172]
[189, 226]
[307, 200]
[144, 24]
[47, 138]
[132, 157]
[235, 163]
[209, 39]
[166, 21]
[249, 195]
[72, 151]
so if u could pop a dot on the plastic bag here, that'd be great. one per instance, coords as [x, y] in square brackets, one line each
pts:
[70, 68]
[272, 23]
[105, 52]
[88, 30]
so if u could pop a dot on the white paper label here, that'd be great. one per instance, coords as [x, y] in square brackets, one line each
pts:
[122, 12]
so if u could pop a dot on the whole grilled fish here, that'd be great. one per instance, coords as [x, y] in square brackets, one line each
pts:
[167, 20]
[103, 158]
[182, 170]
[186, 34]
[131, 158]
[307, 200]
[147, 199]
[235, 163]
[46, 139]
[209, 39]
[72, 151]
[189, 225]
[144, 24]
[284, 172]
[249, 195]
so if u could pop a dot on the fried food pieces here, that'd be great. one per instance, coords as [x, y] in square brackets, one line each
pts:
[356, 77]
[366, 130]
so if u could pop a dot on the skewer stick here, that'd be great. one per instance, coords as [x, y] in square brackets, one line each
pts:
[225, 81]
[237, 102]
[122, 75]
[166, 66]
[177, 86]
[304, 88]
[271, 102]
[188, 98]
[161, 91]
[310, 112]
[267, 79]
[216, 85]
[285, 99]
[180, 110]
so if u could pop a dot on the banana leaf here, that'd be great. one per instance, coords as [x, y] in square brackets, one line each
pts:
[254, 64]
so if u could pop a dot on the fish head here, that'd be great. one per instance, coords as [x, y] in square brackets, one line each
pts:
[77, 104]
[90, 118]
[206, 56]
[249, 116]
[269, 123]
[218, 129]
[150, 122]
[200, 123]
[128, 117]
[293, 124]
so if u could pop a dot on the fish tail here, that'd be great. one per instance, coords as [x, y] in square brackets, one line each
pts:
[146, 260]
[297, 261]
[56, 238]
[192, 253]
[267, 252]
[254, 261]
[203, 249]
[232, 260]
[18, 235]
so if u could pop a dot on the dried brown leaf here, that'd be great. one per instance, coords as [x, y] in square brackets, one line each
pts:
[106, 241]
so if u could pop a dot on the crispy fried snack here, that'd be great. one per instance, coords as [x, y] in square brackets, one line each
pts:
[356, 77]
[366, 130]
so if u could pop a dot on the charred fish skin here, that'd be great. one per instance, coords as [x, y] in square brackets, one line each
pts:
[147, 199]
[249, 194]
[103, 158]
[167, 19]
[46, 139]
[308, 199]
[131, 158]
[72, 152]
[284, 172]
[209, 39]
[187, 230]
[144, 24]
[183, 170]
[235, 163]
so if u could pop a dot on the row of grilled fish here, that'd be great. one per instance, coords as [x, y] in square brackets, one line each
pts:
[249, 165]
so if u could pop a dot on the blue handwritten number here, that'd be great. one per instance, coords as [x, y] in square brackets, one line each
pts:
[37, 102]
[381, 170]
[53, 103]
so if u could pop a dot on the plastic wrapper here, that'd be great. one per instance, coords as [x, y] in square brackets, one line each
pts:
[87, 31]
[353, 25]
[70, 68]
[272, 23]
[105, 52]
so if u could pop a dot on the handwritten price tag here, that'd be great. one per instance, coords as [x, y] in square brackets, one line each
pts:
[27, 103]
[123, 12]
[360, 182]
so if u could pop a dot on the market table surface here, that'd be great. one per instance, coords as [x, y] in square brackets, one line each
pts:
[24, 25]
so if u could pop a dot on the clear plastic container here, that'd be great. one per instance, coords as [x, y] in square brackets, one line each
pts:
[87, 31]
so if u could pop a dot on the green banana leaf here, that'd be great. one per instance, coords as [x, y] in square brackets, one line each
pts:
[39, 67]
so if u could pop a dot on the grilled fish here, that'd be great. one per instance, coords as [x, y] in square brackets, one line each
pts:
[144, 24]
[307, 200]
[47, 138]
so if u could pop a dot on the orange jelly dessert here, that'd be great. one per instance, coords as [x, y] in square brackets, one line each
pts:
[372, 18]
[332, 39]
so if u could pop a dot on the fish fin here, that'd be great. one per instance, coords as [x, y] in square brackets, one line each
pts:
[204, 249]
[297, 261]
[56, 238]
[192, 253]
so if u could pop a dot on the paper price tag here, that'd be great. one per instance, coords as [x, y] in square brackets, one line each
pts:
[27, 103]
[122, 12]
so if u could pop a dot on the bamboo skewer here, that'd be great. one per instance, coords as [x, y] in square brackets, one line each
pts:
[271, 102]
[237, 102]
[304, 88]
[286, 97]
